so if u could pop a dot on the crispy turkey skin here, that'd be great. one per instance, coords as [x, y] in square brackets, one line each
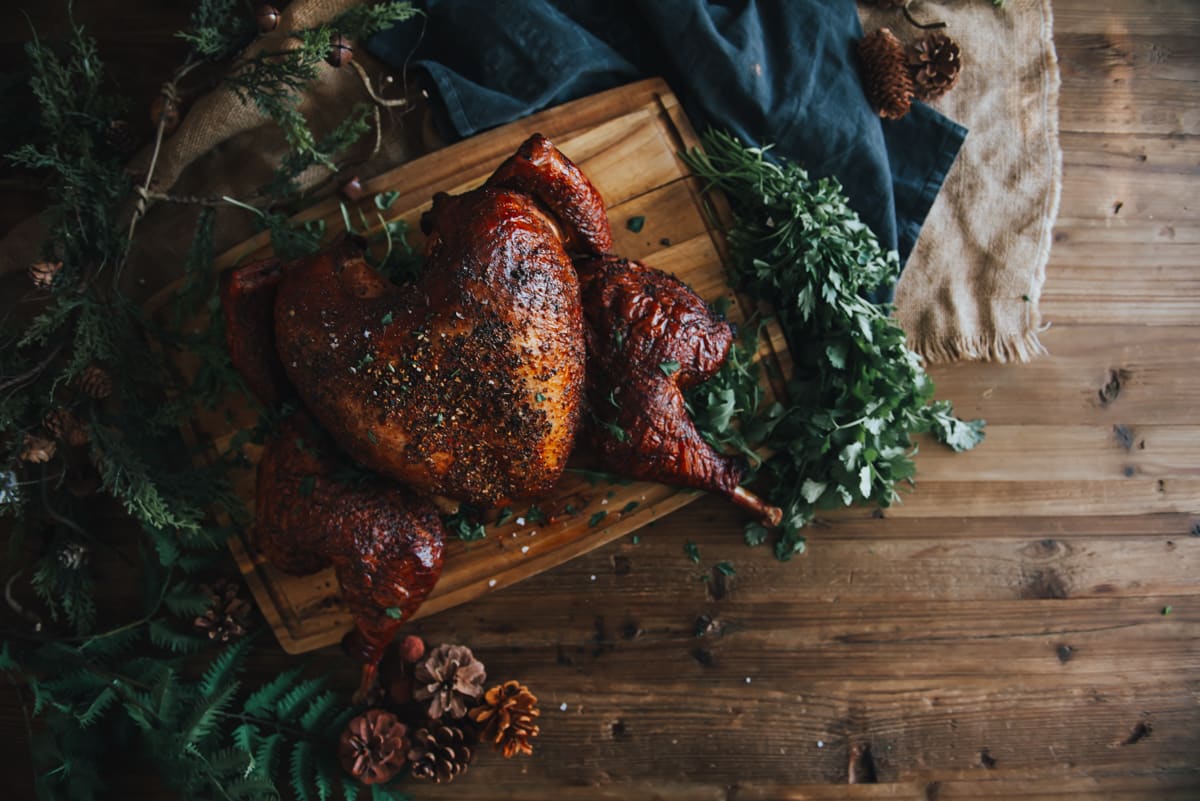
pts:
[469, 383]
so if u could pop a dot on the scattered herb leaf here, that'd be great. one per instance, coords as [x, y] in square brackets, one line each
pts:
[725, 568]
[384, 200]
[465, 524]
[756, 534]
[692, 551]
[669, 367]
[393, 612]
[636, 224]
[595, 519]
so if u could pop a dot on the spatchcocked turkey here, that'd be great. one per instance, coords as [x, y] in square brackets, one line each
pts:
[468, 383]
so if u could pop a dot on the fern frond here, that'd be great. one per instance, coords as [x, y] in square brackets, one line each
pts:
[164, 635]
[262, 701]
[350, 788]
[98, 707]
[163, 695]
[229, 763]
[110, 645]
[186, 599]
[325, 778]
[251, 788]
[290, 705]
[301, 768]
[319, 710]
[266, 756]
[223, 668]
[203, 721]
[244, 736]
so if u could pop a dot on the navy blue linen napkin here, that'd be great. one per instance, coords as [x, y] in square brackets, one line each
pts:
[769, 72]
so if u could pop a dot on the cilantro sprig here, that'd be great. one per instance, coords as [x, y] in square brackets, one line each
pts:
[858, 394]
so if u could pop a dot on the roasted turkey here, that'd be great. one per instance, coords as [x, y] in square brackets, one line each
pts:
[469, 383]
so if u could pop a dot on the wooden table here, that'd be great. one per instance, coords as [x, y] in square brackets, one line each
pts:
[1001, 633]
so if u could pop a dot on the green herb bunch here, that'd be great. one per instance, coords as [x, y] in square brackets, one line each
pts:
[107, 682]
[858, 394]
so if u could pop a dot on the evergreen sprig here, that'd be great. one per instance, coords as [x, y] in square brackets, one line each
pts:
[134, 686]
[843, 434]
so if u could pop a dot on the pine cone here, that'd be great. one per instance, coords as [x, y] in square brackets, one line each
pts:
[228, 613]
[37, 449]
[507, 717]
[73, 555]
[439, 753]
[448, 678]
[935, 61]
[95, 383]
[886, 79]
[43, 273]
[63, 424]
[373, 745]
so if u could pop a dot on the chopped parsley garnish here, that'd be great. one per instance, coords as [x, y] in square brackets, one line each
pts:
[692, 551]
[636, 224]
[725, 568]
[394, 612]
[669, 367]
[615, 431]
[595, 519]
[846, 438]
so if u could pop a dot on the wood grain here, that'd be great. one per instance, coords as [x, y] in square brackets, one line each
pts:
[1013, 609]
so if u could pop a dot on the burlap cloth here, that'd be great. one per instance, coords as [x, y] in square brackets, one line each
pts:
[971, 287]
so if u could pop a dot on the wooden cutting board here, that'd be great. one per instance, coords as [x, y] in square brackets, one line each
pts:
[627, 141]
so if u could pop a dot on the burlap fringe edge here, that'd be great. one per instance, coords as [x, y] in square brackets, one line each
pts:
[1022, 348]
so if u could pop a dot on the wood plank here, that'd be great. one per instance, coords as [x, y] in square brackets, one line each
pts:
[1152, 18]
[1094, 375]
[918, 569]
[1116, 82]
[868, 527]
[1040, 497]
[1012, 453]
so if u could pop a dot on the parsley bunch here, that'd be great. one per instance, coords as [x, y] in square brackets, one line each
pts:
[857, 393]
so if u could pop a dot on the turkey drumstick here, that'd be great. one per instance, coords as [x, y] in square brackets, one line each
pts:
[314, 509]
[650, 337]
